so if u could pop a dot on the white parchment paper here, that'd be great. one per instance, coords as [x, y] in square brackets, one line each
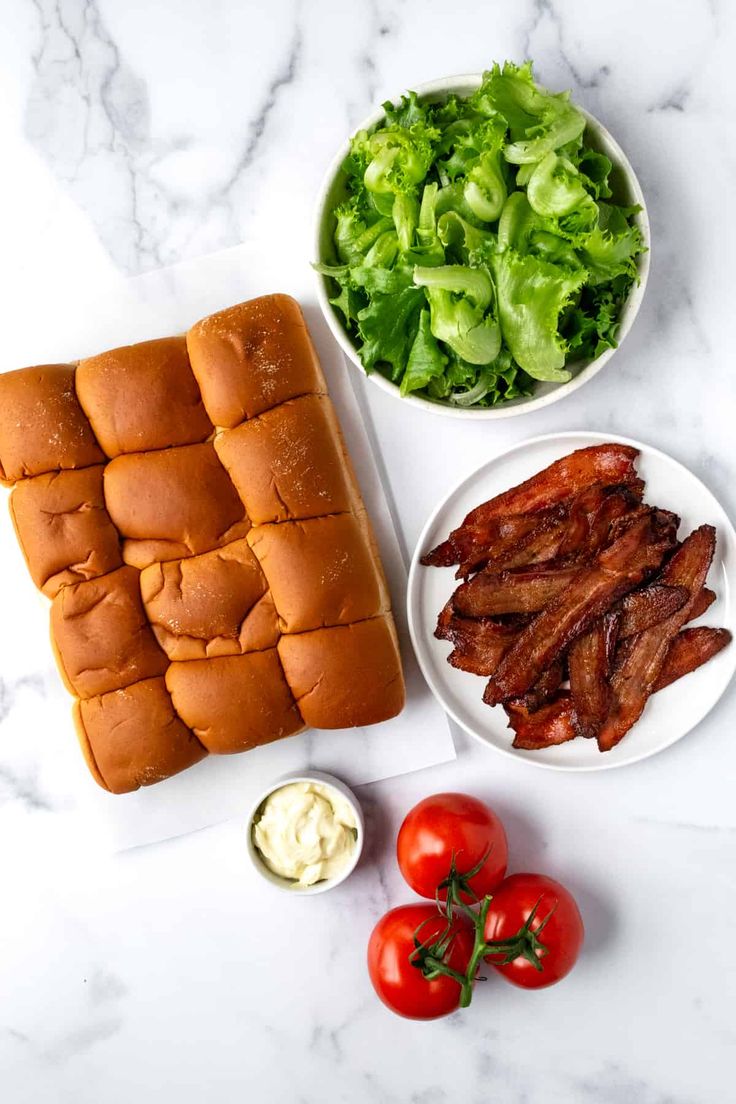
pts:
[85, 320]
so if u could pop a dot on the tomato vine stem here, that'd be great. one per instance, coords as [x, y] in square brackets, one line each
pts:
[430, 957]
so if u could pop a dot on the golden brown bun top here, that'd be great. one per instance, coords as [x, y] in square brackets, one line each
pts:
[204, 596]
[235, 702]
[347, 675]
[142, 397]
[63, 527]
[102, 636]
[320, 571]
[180, 495]
[252, 357]
[289, 462]
[134, 738]
[42, 426]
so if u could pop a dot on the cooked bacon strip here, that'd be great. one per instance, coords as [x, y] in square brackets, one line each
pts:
[690, 649]
[555, 724]
[444, 621]
[615, 571]
[527, 539]
[480, 645]
[592, 514]
[649, 606]
[545, 688]
[636, 675]
[550, 725]
[526, 590]
[607, 463]
[589, 662]
[577, 526]
[470, 543]
[703, 602]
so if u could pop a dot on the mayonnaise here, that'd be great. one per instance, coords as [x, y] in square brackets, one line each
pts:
[306, 832]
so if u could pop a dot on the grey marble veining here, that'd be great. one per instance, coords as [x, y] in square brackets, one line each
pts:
[137, 135]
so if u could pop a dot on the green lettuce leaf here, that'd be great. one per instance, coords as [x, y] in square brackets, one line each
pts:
[531, 295]
[387, 327]
[612, 246]
[540, 121]
[349, 302]
[426, 359]
[556, 187]
[356, 232]
[592, 325]
[458, 299]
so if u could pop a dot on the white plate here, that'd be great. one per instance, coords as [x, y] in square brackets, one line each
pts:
[671, 713]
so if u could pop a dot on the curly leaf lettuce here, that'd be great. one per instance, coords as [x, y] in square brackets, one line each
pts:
[388, 326]
[426, 360]
[479, 247]
[531, 295]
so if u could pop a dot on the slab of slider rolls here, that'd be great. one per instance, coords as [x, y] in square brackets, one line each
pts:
[189, 506]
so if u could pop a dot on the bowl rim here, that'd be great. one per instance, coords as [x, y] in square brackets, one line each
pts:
[464, 84]
[325, 779]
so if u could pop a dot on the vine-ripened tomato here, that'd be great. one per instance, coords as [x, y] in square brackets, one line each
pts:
[449, 826]
[562, 934]
[401, 986]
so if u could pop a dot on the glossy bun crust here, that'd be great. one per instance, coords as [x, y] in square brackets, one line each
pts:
[190, 507]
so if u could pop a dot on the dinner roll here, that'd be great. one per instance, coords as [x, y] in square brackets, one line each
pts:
[252, 357]
[320, 571]
[210, 604]
[42, 426]
[133, 737]
[290, 462]
[142, 397]
[347, 675]
[234, 702]
[101, 635]
[172, 503]
[63, 528]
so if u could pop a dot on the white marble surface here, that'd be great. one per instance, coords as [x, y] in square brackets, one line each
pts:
[143, 133]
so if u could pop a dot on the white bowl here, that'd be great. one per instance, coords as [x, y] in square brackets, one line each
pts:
[329, 883]
[627, 190]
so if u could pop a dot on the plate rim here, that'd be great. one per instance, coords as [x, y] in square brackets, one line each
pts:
[412, 585]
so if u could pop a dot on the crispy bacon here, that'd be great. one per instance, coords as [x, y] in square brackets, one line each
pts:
[444, 621]
[703, 602]
[472, 542]
[607, 464]
[649, 606]
[615, 571]
[524, 590]
[589, 662]
[636, 675]
[552, 724]
[545, 688]
[592, 514]
[556, 722]
[479, 646]
[577, 527]
[527, 539]
[690, 649]
[555, 577]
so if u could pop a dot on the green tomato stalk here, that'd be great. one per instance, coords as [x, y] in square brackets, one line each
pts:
[430, 956]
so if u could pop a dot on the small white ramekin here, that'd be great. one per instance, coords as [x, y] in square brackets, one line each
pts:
[329, 883]
[629, 192]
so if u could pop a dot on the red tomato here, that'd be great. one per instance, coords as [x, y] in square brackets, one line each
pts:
[401, 986]
[447, 826]
[562, 934]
